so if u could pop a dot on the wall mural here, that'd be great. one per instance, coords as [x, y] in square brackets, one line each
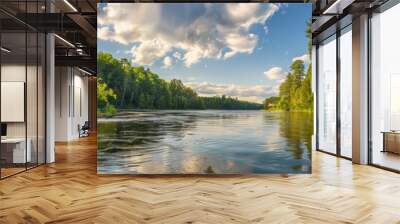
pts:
[204, 88]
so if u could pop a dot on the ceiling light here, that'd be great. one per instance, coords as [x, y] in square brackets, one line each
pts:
[337, 7]
[86, 72]
[70, 5]
[64, 40]
[5, 50]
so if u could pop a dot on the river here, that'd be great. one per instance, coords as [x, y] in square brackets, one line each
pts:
[205, 141]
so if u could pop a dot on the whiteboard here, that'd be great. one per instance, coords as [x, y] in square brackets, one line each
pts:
[12, 101]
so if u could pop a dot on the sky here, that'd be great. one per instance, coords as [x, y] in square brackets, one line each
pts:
[242, 50]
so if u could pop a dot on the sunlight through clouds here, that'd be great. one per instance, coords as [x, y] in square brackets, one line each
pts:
[167, 62]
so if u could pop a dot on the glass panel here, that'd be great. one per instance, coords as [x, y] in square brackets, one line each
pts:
[327, 95]
[23, 87]
[31, 98]
[385, 84]
[32, 88]
[346, 92]
[13, 86]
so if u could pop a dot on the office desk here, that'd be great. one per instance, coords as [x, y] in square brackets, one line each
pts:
[13, 150]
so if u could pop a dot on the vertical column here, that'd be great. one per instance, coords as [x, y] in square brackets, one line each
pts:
[360, 90]
[50, 98]
[314, 90]
[338, 91]
[50, 91]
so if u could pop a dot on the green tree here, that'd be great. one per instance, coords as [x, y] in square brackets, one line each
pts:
[105, 98]
[295, 92]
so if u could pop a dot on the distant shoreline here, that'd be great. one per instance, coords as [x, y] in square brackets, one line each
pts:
[102, 115]
[280, 110]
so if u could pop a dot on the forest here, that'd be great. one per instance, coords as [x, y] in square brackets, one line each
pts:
[295, 93]
[123, 86]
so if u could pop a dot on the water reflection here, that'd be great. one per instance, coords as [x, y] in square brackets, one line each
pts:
[211, 141]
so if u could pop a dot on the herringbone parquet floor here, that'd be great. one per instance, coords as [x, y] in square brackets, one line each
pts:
[69, 191]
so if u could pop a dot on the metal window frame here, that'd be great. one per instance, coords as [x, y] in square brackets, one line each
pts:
[339, 28]
[320, 38]
[381, 9]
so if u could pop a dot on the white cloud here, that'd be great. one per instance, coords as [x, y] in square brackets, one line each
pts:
[104, 33]
[167, 62]
[305, 58]
[177, 55]
[275, 73]
[256, 93]
[216, 31]
[240, 44]
[148, 52]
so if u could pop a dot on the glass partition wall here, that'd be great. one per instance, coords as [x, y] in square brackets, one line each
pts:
[327, 95]
[345, 90]
[334, 94]
[385, 89]
[22, 77]
[334, 105]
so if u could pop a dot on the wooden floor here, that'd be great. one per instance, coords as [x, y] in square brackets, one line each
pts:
[69, 191]
[387, 159]
[5, 172]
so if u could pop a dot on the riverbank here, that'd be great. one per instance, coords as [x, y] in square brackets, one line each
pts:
[280, 110]
[112, 113]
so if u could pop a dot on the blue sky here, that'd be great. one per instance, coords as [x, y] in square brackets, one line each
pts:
[241, 50]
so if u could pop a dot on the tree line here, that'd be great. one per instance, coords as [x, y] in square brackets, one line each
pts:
[295, 92]
[123, 86]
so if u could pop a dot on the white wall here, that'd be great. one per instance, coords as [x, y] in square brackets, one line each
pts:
[62, 82]
[80, 109]
[12, 73]
[33, 125]
[71, 94]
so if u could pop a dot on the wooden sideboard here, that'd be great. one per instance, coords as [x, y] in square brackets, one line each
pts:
[391, 141]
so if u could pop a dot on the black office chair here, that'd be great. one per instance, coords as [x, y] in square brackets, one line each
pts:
[84, 130]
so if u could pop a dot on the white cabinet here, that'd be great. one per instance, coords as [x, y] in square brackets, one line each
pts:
[19, 155]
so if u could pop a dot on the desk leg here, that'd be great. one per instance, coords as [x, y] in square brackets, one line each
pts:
[384, 143]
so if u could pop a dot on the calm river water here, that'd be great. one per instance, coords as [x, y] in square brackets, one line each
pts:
[205, 141]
